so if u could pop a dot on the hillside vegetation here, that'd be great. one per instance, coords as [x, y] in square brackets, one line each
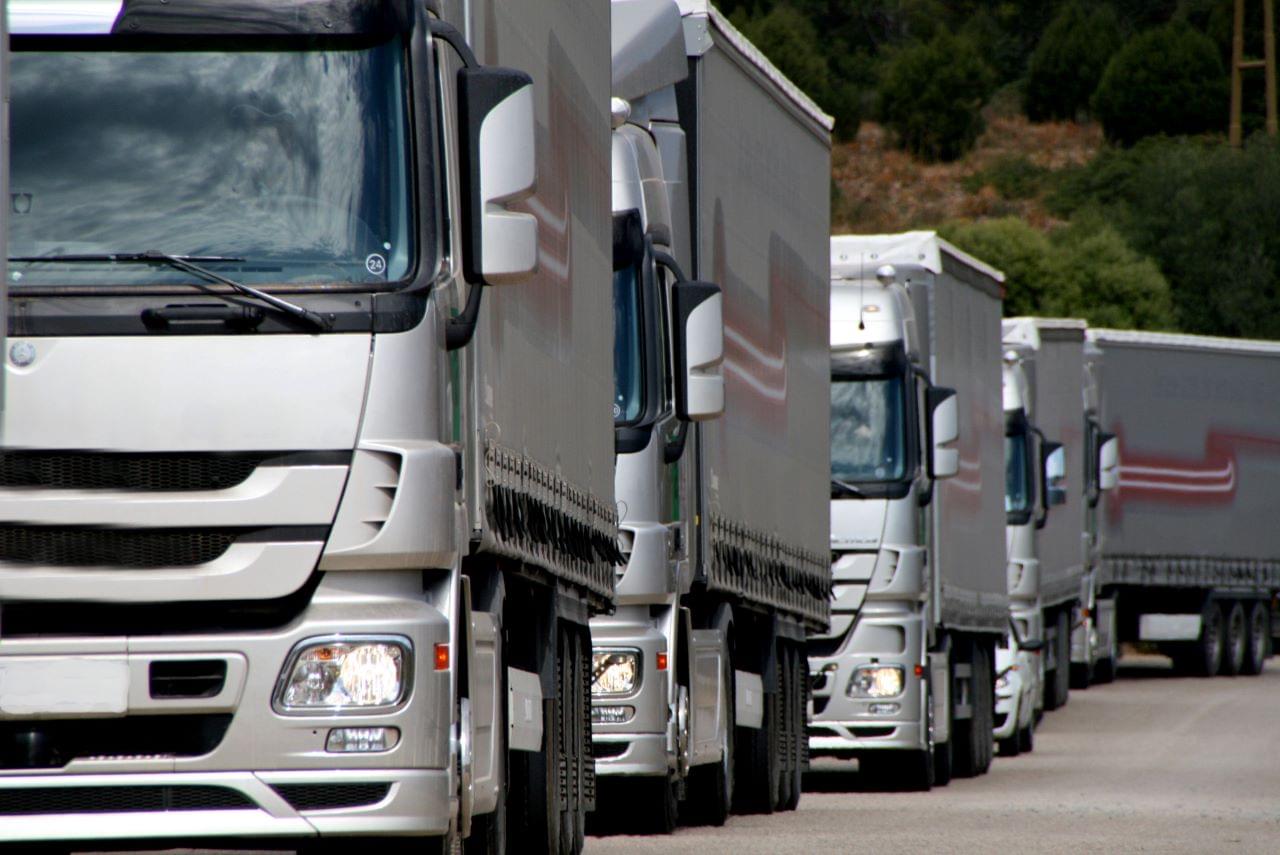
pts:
[1077, 144]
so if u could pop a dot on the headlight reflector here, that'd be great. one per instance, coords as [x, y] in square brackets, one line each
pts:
[335, 674]
[614, 672]
[877, 681]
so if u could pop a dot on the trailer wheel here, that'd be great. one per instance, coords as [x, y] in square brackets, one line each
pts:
[1057, 686]
[793, 729]
[1104, 670]
[1236, 641]
[759, 760]
[1207, 653]
[1258, 642]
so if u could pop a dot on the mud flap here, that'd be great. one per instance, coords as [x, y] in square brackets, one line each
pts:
[524, 710]
[749, 701]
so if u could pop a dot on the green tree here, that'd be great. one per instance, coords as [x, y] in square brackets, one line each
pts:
[1084, 271]
[1067, 65]
[1165, 81]
[791, 41]
[931, 96]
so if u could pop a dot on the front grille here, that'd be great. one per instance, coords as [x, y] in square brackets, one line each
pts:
[331, 796]
[59, 546]
[137, 548]
[28, 801]
[53, 743]
[604, 750]
[84, 470]
[195, 678]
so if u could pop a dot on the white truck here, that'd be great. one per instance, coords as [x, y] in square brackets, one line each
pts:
[1051, 447]
[721, 170]
[904, 680]
[1190, 548]
[301, 521]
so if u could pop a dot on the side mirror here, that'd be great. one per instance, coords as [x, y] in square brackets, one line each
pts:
[698, 308]
[498, 165]
[1108, 462]
[1031, 645]
[944, 429]
[1055, 472]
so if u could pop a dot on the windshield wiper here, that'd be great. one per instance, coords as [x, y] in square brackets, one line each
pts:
[846, 487]
[187, 264]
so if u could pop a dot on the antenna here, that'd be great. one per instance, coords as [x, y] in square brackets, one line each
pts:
[862, 287]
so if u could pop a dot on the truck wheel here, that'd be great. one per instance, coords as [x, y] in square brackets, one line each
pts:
[1207, 655]
[710, 787]
[759, 761]
[1258, 642]
[1027, 738]
[1237, 640]
[1082, 675]
[1009, 747]
[974, 737]
[794, 729]
[1057, 685]
[986, 736]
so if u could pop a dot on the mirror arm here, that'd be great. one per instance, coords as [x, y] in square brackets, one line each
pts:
[673, 448]
[451, 36]
[669, 262]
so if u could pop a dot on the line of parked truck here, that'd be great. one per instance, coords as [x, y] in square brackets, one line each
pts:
[333, 506]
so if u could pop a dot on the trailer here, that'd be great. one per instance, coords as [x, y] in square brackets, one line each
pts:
[904, 680]
[1190, 551]
[306, 496]
[721, 171]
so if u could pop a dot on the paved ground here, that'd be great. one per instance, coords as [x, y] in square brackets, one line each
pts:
[1151, 763]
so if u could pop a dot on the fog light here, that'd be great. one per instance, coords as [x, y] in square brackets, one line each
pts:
[361, 740]
[612, 715]
[883, 709]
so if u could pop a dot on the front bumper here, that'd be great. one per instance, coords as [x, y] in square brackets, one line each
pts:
[416, 802]
[249, 748]
[1007, 714]
[638, 746]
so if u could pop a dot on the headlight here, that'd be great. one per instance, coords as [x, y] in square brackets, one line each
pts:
[614, 672]
[340, 674]
[877, 681]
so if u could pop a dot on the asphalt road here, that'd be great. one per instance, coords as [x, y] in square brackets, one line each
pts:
[1150, 763]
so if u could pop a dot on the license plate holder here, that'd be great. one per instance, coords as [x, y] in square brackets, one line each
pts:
[63, 687]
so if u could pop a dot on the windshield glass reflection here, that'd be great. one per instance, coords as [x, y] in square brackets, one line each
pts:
[868, 439]
[294, 160]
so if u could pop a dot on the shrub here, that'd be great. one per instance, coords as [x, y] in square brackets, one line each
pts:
[1165, 81]
[931, 97]
[1013, 177]
[1085, 270]
[1067, 64]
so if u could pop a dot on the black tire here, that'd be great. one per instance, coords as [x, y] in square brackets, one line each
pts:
[654, 803]
[1237, 639]
[1082, 676]
[973, 745]
[758, 760]
[795, 729]
[1258, 640]
[1027, 738]
[1010, 747]
[1206, 654]
[710, 787]
[1057, 684]
[1104, 671]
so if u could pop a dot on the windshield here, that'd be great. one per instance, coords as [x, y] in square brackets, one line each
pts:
[292, 159]
[868, 440]
[1017, 484]
[628, 377]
